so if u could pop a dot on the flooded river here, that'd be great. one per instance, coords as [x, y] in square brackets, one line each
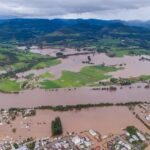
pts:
[38, 97]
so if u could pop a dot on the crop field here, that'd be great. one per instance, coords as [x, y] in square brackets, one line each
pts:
[20, 60]
[13, 61]
[45, 64]
[86, 76]
[46, 75]
[8, 86]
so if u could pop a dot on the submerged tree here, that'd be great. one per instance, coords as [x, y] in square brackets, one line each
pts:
[56, 127]
[89, 59]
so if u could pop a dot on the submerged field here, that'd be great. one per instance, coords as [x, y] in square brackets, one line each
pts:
[90, 74]
[13, 61]
[9, 86]
[86, 76]
[28, 69]
[78, 81]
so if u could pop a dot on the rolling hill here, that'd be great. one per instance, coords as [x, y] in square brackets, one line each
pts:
[91, 33]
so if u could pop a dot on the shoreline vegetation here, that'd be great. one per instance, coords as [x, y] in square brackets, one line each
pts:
[79, 107]
[63, 108]
[123, 82]
[86, 106]
[8, 86]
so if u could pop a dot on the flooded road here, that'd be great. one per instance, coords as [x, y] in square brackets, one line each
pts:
[84, 95]
[73, 121]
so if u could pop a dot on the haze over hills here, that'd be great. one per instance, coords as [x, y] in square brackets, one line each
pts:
[138, 23]
[74, 32]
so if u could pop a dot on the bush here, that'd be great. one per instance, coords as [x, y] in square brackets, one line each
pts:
[15, 145]
[14, 130]
[132, 130]
[31, 146]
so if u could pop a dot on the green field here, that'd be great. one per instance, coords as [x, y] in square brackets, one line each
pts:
[45, 64]
[14, 61]
[9, 86]
[131, 80]
[86, 76]
[46, 75]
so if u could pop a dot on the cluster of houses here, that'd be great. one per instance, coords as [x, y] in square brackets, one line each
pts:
[6, 115]
[127, 141]
[5, 145]
[42, 143]
[87, 140]
[80, 142]
[71, 141]
[142, 112]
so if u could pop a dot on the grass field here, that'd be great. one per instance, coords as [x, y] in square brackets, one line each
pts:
[45, 64]
[18, 65]
[86, 76]
[9, 86]
[120, 53]
[46, 75]
[23, 56]
[123, 52]
[13, 61]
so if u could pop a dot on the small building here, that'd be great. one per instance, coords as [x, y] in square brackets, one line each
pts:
[76, 140]
[28, 112]
[141, 136]
[92, 132]
[148, 118]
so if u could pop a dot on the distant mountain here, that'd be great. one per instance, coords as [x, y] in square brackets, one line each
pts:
[1, 20]
[76, 32]
[145, 24]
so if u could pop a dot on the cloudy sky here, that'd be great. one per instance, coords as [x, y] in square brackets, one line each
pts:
[102, 9]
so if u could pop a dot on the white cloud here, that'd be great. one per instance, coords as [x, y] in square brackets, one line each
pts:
[103, 9]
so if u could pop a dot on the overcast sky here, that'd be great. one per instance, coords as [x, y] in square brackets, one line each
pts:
[101, 9]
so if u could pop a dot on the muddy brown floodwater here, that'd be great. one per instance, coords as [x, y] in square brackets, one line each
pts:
[116, 118]
[104, 120]
[39, 97]
[132, 66]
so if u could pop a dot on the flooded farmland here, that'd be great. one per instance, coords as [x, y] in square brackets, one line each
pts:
[76, 83]
[133, 67]
[104, 120]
